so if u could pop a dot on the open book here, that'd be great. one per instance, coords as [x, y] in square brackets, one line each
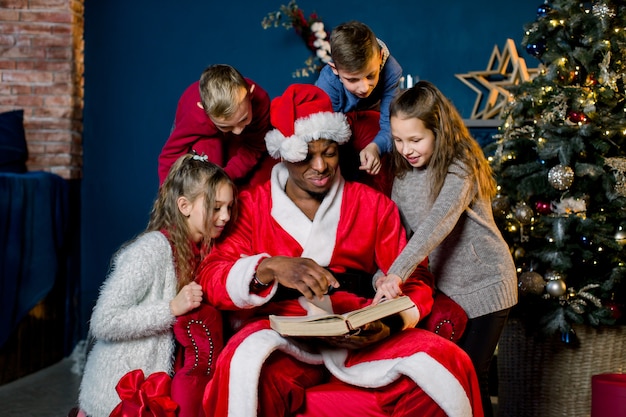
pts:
[338, 324]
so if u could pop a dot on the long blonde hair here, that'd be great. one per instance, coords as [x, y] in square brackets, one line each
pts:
[452, 139]
[191, 176]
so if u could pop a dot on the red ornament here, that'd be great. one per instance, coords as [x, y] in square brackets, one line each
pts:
[577, 117]
[614, 308]
[543, 208]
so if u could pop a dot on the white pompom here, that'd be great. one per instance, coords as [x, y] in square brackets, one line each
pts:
[294, 149]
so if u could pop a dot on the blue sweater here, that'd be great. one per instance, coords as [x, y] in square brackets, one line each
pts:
[386, 89]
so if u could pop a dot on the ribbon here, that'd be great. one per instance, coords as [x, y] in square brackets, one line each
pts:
[144, 397]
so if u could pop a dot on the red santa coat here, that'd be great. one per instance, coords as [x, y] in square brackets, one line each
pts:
[193, 130]
[354, 228]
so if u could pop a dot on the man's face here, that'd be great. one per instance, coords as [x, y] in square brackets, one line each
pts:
[239, 120]
[361, 83]
[315, 175]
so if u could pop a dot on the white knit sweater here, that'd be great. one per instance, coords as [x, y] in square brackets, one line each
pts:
[131, 322]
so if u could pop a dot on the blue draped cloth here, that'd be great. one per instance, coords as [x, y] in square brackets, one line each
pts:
[33, 224]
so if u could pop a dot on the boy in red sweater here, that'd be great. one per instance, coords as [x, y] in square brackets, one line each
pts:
[224, 116]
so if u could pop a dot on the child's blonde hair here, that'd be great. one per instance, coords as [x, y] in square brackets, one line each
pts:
[352, 46]
[220, 90]
[191, 176]
[452, 139]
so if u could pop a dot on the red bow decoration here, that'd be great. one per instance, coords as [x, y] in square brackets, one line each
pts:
[144, 397]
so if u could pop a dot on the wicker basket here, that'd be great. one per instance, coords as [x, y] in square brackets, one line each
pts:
[546, 378]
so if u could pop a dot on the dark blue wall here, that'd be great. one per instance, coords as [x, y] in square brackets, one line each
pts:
[140, 55]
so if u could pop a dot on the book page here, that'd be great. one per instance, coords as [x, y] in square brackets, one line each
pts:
[383, 309]
[337, 324]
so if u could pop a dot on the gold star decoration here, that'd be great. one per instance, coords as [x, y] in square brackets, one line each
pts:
[504, 70]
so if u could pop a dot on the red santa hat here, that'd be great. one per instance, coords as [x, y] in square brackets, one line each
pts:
[303, 113]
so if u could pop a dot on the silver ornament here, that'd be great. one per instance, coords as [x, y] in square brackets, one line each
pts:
[603, 11]
[523, 213]
[531, 282]
[561, 177]
[556, 288]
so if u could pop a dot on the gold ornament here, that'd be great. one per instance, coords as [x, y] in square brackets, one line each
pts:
[561, 177]
[500, 205]
[531, 282]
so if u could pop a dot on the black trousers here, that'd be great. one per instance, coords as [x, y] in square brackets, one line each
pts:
[479, 341]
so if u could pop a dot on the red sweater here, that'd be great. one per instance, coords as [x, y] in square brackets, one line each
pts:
[193, 130]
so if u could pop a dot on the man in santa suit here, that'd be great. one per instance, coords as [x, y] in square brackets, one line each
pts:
[306, 242]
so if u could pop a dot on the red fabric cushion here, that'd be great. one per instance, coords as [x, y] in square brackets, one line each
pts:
[447, 318]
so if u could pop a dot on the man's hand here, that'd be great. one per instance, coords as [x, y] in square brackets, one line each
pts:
[388, 287]
[364, 336]
[188, 298]
[370, 159]
[302, 274]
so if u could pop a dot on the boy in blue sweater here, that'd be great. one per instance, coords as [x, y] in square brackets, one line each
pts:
[361, 80]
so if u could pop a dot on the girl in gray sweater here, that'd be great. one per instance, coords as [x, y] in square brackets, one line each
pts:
[151, 286]
[443, 188]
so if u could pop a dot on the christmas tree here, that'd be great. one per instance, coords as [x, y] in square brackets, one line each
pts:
[560, 162]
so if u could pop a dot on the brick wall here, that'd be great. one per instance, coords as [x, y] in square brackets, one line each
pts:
[41, 71]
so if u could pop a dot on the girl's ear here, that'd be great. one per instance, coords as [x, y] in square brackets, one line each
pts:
[184, 206]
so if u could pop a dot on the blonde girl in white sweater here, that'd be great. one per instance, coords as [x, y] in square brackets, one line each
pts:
[151, 284]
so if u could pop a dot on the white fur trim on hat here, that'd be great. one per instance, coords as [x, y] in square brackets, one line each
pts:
[323, 125]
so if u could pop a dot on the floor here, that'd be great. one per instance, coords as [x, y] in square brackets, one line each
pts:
[51, 392]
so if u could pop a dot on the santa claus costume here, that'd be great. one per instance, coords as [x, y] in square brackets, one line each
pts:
[413, 372]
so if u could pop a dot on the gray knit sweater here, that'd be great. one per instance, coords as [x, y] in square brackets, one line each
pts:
[469, 258]
[132, 322]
